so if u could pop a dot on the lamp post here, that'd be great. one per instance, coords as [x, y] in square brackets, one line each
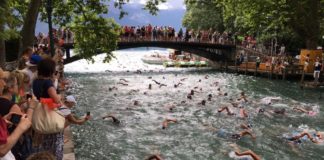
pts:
[49, 10]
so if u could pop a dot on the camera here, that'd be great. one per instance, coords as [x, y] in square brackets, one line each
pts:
[15, 119]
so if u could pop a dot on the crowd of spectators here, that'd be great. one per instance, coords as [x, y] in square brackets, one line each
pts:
[37, 81]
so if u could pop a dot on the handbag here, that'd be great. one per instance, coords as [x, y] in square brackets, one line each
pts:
[46, 120]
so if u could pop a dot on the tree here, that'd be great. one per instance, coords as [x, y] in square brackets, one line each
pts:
[203, 15]
[85, 18]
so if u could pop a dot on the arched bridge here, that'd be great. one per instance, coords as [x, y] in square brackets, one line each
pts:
[214, 52]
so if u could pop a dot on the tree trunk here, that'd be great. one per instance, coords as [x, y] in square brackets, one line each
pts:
[2, 51]
[3, 6]
[28, 30]
[313, 24]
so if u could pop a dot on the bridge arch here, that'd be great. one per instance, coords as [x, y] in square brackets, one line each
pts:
[214, 52]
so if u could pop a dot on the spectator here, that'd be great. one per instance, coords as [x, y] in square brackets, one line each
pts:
[43, 88]
[26, 54]
[69, 103]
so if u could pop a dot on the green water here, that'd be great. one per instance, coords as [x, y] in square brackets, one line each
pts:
[140, 133]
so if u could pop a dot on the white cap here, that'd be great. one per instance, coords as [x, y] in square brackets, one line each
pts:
[70, 99]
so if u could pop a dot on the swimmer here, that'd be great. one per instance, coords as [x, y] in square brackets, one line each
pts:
[183, 102]
[167, 121]
[236, 136]
[310, 112]
[154, 157]
[177, 85]
[124, 84]
[162, 85]
[242, 112]
[243, 155]
[112, 88]
[209, 99]
[203, 102]
[210, 95]
[199, 80]
[158, 83]
[149, 77]
[242, 97]
[246, 126]
[269, 100]
[115, 120]
[171, 107]
[227, 110]
[150, 86]
[122, 79]
[145, 93]
[134, 90]
[242, 134]
[192, 92]
[138, 71]
[207, 76]
[183, 79]
[281, 111]
[136, 103]
[189, 96]
[316, 138]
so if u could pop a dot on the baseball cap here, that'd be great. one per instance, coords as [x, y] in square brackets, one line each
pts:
[34, 60]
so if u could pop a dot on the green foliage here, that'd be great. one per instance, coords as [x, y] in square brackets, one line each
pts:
[93, 33]
[203, 15]
[9, 21]
[265, 19]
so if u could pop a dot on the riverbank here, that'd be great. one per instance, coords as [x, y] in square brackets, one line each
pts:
[68, 145]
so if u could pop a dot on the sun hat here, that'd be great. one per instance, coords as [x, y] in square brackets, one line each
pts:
[70, 98]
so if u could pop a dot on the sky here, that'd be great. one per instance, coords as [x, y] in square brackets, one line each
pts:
[170, 14]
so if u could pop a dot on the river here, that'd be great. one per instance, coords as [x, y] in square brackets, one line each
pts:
[140, 133]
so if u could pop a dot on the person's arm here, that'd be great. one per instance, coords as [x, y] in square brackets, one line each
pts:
[73, 120]
[171, 120]
[300, 109]
[23, 126]
[53, 94]
[32, 104]
[248, 153]
[302, 135]
[246, 132]
[16, 109]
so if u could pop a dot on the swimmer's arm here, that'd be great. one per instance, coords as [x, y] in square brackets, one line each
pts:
[73, 120]
[249, 153]
[300, 109]
[171, 120]
[243, 133]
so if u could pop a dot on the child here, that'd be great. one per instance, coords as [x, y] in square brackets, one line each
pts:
[65, 109]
